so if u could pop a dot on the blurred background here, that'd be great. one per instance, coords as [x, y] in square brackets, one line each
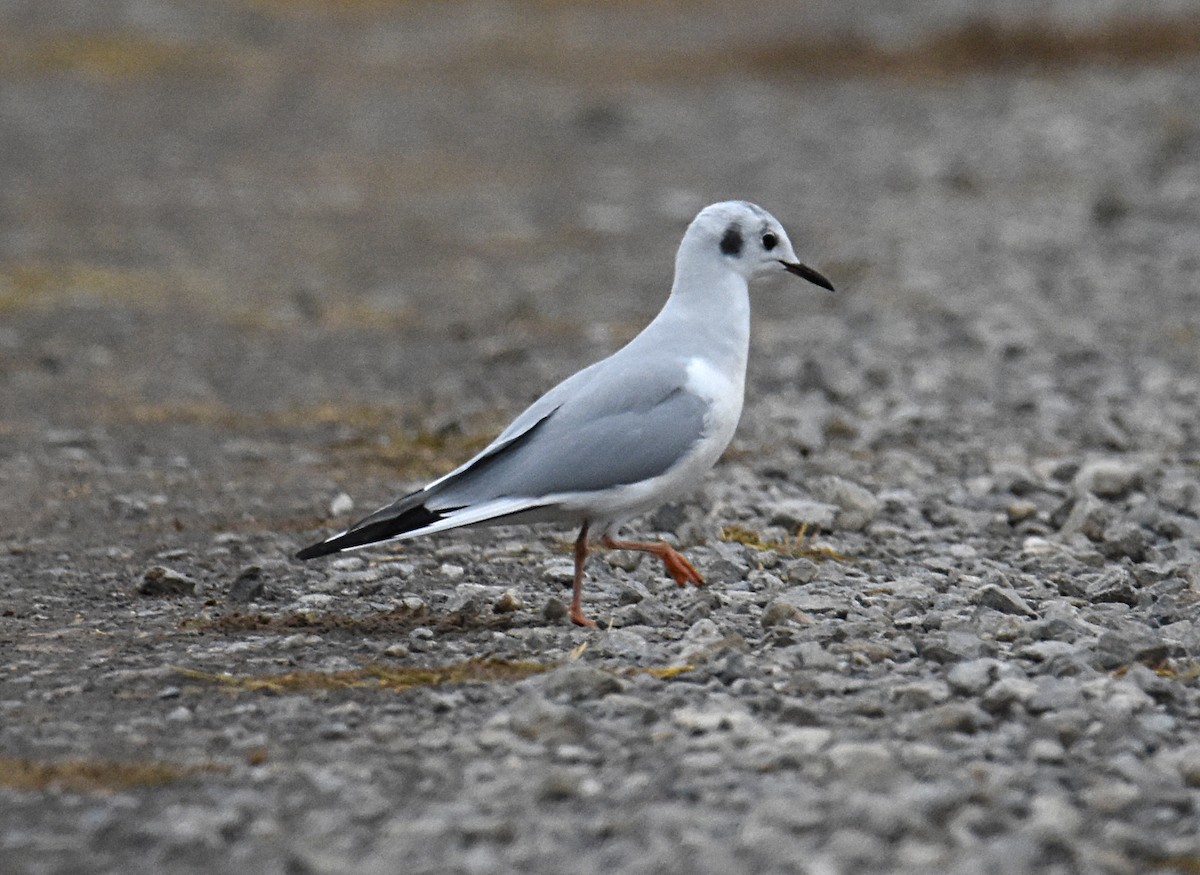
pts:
[339, 212]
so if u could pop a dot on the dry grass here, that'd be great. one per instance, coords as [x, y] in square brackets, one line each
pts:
[93, 776]
[800, 546]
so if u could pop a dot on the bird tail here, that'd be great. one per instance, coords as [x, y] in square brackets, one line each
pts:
[398, 518]
[411, 516]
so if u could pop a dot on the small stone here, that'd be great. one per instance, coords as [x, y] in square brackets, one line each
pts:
[248, 585]
[160, 581]
[1019, 511]
[182, 714]
[973, 676]
[1188, 763]
[508, 602]
[862, 761]
[1006, 692]
[921, 694]
[169, 693]
[1088, 516]
[535, 718]
[1052, 817]
[857, 507]
[1115, 584]
[1003, 599]
[314, 601]
[554, 611]
[559, 572]
[342, 504]
[1109, 478]
[1111, 797]
[647, 612]
[950, 717]
[804, 741]
[579, 682]
[802, 570]
[450, 571]
[471, 598]
[397, 650]
[796, 512]
[1047, 750]
[779, 612]
[1122, 539]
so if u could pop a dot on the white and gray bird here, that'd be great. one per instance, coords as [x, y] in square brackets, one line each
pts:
[627, 433]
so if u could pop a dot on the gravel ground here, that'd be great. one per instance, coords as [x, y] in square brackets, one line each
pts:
[265, 264]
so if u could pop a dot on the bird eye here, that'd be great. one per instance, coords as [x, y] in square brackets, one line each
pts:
[769, 241]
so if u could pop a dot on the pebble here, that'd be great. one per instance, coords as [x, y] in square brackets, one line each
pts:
[1006, 692]
[1003, 599]
[1111, 797]
[248, 586]
[559, 572]
[796, 512]
[862, 762]
[580, 682]
[554, 611]
[857, 507]
[341, 505]
[1108, 477]
[160, 581]
[973, 676]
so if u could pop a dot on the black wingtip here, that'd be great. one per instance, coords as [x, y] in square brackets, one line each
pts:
[312, 551]
[382, 525]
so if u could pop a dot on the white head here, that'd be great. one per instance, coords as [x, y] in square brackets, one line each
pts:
[747, 239]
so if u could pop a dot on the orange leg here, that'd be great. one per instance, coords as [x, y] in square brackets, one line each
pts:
[576, 610]
[675, 562]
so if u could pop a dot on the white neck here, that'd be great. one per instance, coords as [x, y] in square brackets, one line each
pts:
[709, 304]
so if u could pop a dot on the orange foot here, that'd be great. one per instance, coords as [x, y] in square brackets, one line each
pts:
[677, 565]
[577, 617]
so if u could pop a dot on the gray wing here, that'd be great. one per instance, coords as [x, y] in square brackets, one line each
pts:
[621, 424]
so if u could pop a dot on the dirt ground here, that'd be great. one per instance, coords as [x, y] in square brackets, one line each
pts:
[265, 264]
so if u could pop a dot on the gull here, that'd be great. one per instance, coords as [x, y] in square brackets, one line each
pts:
[627, 433]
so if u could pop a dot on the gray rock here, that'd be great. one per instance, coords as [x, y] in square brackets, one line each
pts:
[779, 612]
[973, 676]
[802, 570]
[647, 612]
[1109, 477]
[857, 507]
[248, 586]
[796, 512]
[1006, 692]
[472, 598]
[961, 717]
[1114, 584]
[921, 694]
[1123, 539]
[1003, 599]
[535, 718]
[1088, 516]
[160, 581]
[580, 682]
[866, 763]
[554, 611]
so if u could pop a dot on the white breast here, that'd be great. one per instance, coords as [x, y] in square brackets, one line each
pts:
[724, 392]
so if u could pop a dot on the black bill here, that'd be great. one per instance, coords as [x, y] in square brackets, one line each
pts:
[805, 272]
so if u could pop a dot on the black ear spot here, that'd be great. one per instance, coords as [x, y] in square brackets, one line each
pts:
[731, 243]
